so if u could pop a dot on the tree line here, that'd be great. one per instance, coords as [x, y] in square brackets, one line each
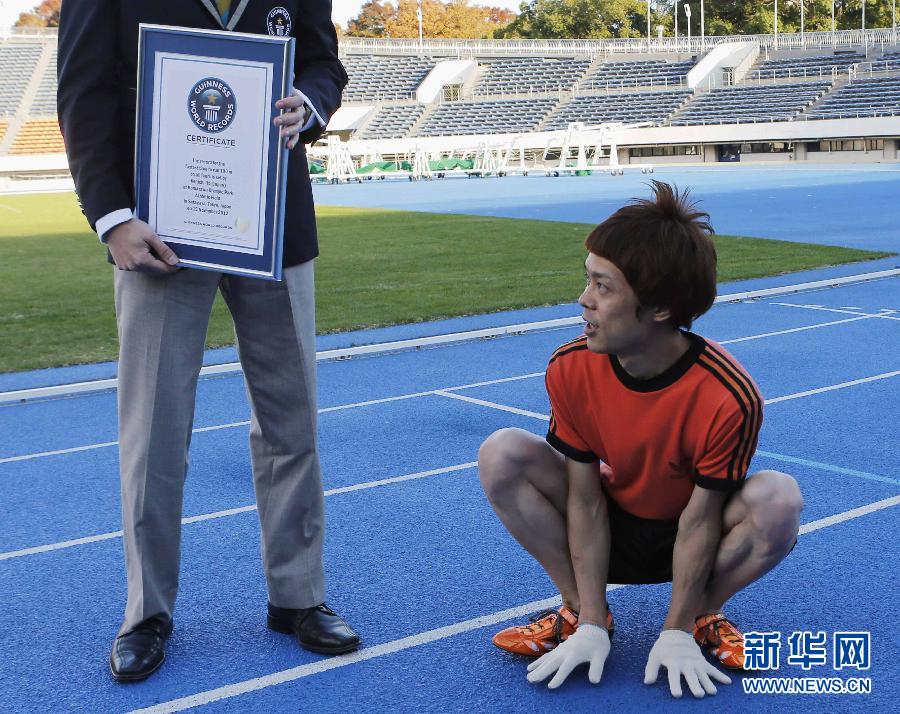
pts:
[578, 19]
[594, 19]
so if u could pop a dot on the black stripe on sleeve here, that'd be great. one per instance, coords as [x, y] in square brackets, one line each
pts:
[718, 484]
[752, 409]
[744, 412]
[756, 406]
[566, 350]
[584, 457]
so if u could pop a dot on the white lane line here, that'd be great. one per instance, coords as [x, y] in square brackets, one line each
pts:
[884, 314]
[445, 392]
[430, 392]
[23, 396]
[58, 452]
[773, 400]
[849, 515]
[429, 636]
[797, 329]
[828, 467]
[401, 479]
[236, 511]
[414, 395]
[492, 405]
[386, 648]
[325, 410]
[59, 546]
[768, 454]
[806, 287]
[833, 387]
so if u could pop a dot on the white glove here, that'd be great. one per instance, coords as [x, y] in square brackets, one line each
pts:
[681, 656]
[589, 643]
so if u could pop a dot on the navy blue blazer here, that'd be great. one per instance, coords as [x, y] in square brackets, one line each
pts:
[96, 96]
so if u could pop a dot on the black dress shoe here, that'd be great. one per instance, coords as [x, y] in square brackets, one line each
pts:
[139, 653]
[319, 628]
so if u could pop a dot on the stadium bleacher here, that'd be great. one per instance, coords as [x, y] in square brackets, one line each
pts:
[638, 73]
[562, 87]
[17, 62]
[637, 107]
[492, 117]
[44, 104]
[874, 97]
[392, 122]
[38, 136]
[751, 103]
[810, 67]
[520, 75]
[374, 78]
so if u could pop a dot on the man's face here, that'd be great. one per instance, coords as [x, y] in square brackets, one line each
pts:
[611, 310]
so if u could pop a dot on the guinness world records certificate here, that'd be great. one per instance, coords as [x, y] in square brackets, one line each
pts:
[210, 167]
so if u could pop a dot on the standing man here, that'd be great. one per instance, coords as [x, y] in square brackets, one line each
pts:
[642, 477]
[162, 313]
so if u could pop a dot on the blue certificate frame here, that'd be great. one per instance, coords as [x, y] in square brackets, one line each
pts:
[210, 166]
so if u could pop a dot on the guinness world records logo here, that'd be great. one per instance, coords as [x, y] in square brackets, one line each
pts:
[212, 105]
[278, 22]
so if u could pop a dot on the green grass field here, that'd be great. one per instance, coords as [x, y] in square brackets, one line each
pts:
[376, 268]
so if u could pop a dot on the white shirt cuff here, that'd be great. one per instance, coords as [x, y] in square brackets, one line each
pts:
[111, 220]
[314, 115]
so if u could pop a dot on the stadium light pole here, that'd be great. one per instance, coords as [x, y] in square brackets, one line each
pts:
[702, 27]
[419, 19]
[863, 15]
[833, 26]
[648, 25]
[776, 24]
[802, 24]
[676, 26]
[687, 13]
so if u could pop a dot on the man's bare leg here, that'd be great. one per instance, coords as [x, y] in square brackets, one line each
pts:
[526, 483]
[760, 526]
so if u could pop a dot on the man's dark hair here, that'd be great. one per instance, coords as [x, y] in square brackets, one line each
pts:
[664, 247]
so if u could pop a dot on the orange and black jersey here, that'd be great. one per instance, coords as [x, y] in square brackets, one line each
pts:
[697, 423]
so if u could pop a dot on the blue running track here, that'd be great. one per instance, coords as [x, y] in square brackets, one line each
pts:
[416, 560]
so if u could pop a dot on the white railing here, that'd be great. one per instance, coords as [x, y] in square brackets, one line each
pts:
[787, 75]
[465, 49]
[826, 113]
[14, 32]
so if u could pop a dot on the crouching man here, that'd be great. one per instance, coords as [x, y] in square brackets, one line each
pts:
[642, 477]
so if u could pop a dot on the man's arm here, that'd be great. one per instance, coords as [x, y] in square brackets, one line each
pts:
[318, 73]
[699, 534]
[588, 531]
[89, 113]
[90, 118]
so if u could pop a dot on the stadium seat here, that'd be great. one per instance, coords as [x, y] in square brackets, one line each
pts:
[38, 136]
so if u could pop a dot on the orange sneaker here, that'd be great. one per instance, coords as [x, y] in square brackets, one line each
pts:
[718, 636]
[546, 630]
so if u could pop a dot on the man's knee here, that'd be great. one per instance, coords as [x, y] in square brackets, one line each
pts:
[774, 502]
[503, 457]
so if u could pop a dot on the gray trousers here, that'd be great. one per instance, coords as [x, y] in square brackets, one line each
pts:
[162, 324]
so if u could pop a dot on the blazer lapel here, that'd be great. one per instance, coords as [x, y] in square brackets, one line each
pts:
[214, 11]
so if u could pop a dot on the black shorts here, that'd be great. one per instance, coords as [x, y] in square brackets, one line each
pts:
[640, 548]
